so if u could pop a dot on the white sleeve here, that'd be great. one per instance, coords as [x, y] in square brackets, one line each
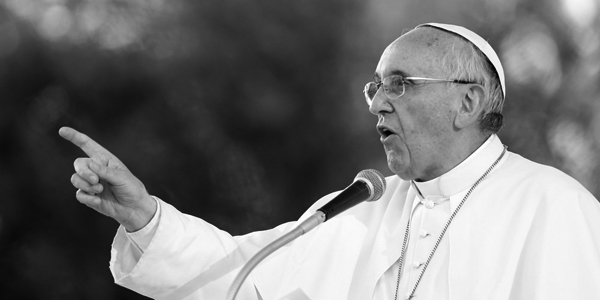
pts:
[141, 239]
[185, 257]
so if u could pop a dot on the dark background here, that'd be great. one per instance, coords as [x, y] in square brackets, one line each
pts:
[242, 112]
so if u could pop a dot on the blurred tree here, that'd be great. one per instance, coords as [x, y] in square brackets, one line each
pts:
[242, 113]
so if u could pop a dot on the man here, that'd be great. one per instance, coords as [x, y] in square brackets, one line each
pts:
[463, 218]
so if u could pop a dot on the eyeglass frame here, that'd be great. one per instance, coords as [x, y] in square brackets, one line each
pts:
[403, 80]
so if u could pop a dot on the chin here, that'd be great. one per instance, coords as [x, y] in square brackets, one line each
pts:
[399, 168]
[404, 176]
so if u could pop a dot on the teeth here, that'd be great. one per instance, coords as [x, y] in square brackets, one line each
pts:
[384, 131]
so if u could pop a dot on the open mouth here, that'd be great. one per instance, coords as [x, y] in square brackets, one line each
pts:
[384, 131]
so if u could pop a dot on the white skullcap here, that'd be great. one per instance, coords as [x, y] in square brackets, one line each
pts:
[480, 43]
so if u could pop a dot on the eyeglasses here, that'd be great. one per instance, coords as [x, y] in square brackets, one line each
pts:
[394, 86]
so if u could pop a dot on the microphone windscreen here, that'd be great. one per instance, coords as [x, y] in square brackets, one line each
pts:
[374, 180]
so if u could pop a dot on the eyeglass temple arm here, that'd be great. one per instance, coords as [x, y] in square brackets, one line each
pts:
[436, 79]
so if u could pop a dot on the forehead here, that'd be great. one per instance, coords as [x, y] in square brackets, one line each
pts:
[416, 53]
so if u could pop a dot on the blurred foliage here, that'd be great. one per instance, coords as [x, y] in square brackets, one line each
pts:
[242, 112]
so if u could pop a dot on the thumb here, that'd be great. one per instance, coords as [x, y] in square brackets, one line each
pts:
[111, 175]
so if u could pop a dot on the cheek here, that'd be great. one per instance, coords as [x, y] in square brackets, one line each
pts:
[423, 121]
[435, 122]
[423, 133]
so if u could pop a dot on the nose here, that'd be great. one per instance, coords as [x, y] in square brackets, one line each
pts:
[380, 104]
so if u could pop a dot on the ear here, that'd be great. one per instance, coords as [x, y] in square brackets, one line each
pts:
[471, 106]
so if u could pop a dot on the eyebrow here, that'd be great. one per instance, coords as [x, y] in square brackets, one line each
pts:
[393, 72]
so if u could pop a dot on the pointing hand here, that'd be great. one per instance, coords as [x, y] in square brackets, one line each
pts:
[106, 185]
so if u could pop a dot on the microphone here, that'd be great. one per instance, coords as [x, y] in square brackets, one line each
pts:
[369, 185]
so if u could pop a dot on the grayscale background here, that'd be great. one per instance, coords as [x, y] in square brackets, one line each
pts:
[243, 112]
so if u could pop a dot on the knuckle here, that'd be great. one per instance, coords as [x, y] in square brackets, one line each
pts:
[81, 184]
[74, 179]
[96, 159]
[80, 162]
[82, 196]
[79, 195]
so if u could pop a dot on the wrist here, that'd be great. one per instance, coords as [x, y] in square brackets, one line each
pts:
[141, 216]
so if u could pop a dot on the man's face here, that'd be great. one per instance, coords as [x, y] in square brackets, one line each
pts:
[416, 129]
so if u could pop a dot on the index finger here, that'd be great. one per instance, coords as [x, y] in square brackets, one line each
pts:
[89, 146]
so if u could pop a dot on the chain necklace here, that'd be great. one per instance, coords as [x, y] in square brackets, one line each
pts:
[406, 233]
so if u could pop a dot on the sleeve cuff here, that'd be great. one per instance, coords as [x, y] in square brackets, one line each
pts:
[141, 238]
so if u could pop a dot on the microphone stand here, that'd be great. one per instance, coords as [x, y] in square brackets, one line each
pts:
[313, 221]
[368, 185]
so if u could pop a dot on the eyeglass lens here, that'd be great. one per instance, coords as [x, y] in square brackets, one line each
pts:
[393, 88]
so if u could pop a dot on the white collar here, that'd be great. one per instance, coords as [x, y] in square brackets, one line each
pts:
[464, 175]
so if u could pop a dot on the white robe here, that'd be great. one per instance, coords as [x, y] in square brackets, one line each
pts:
[528, 231]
